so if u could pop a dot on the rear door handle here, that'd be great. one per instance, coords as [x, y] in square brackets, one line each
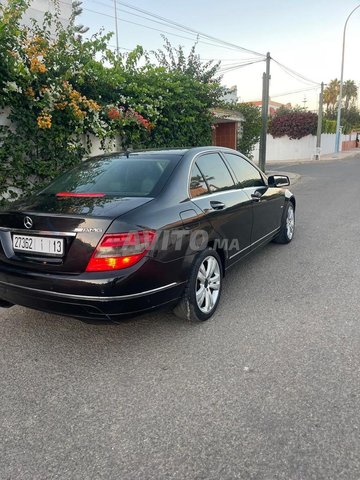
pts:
[217, 205]
[256, 196]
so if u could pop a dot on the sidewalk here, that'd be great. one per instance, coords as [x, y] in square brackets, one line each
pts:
[295, 177]
[327, 157]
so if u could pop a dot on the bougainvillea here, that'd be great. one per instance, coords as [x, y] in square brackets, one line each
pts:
[294, 124]
[51, 116]
[60, 90]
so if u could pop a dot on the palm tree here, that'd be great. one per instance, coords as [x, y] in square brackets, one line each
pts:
[350, 92]
[331, 94]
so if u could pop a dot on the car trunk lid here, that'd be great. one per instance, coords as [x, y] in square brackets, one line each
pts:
[73, 225]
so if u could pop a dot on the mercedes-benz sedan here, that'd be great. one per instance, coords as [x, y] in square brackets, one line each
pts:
[125, 233]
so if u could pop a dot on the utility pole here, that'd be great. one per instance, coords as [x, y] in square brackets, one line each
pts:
[116, 29]
[319, 125]
[338, 120]
[264, 114]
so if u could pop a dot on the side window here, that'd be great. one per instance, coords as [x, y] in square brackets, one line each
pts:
[246, 174]
[197, 183]
[215, 172]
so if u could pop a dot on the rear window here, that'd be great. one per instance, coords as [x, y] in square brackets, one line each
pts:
[133, 176]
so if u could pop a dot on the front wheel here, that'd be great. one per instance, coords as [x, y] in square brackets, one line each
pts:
[202, 293]
[287, 229]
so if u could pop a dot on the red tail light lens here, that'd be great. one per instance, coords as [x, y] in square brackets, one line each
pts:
[120, 250]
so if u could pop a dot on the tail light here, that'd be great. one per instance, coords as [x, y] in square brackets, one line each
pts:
[120, 250]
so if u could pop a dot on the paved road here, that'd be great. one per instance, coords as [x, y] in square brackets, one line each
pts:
[268, 389]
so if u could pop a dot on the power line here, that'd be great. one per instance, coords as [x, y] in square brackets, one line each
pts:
[135, 23]
[155, 29]
[189, 29]
[295, 74]
[168, 25]
[227, 69]
[183, 28]
[231, 65]
[293, 92]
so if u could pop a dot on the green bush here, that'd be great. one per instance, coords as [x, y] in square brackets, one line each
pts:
[328, 126]
[251, 128]
[61, 88]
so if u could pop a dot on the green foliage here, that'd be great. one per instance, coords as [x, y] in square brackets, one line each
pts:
[251, 128]
[350, 113]
[351, 120]
[295, 123]
[331, 95]
[174, 59]
[328, 126]
[350, 92]
[188, 91]
[60, 88]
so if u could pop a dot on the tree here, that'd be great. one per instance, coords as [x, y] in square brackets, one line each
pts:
[189, 91]
[251, 128]
[331, 95]
[174, 59]
[349, 93]
[351, 120]
[331, 98]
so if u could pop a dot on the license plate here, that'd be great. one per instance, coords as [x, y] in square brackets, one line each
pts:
[45, 245]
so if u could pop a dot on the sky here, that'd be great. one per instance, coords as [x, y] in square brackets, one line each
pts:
[304, 35]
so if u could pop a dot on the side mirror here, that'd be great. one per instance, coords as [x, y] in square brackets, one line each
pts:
[278, 181]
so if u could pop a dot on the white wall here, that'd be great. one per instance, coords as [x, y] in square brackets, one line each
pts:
[39, 7]
[283, 149]
[109, 147]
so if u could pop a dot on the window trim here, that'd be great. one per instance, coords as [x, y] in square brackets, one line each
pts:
[194, 160]
[240, 155]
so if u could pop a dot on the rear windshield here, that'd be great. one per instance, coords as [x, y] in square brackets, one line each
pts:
[133, 176]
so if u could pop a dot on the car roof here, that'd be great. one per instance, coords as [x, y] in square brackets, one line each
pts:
[166, 151]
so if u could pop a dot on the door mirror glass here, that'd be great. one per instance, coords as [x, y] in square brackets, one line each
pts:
[278, 181]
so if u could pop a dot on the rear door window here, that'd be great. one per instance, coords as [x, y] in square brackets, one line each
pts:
[215, 172]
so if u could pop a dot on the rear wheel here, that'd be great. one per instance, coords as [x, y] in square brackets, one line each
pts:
[203, 290]
[287, 229]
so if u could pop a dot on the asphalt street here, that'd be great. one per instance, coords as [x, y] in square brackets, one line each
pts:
[267, 389]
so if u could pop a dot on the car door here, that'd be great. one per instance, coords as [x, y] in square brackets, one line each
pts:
[229, 210]
[268, 203]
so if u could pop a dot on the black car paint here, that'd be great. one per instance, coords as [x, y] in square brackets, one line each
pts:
[62, 285]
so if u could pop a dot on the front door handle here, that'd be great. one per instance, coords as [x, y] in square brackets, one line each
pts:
[256, 196]
[217, 205]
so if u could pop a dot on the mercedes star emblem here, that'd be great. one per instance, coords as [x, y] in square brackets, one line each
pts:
[28, 222]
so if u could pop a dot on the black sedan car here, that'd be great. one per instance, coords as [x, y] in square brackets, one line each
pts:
[125, 233]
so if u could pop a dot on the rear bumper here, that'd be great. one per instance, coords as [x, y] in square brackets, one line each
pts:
[88, 307]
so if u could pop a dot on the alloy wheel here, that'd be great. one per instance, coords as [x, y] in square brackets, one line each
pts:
[290, 222]
[208, 284]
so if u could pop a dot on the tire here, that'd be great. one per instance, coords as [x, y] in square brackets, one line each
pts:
[199, 304]
[287, 229]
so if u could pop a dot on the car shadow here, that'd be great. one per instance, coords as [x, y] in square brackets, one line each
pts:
[146, 328]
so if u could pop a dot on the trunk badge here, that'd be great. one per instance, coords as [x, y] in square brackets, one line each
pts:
[28, 222]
